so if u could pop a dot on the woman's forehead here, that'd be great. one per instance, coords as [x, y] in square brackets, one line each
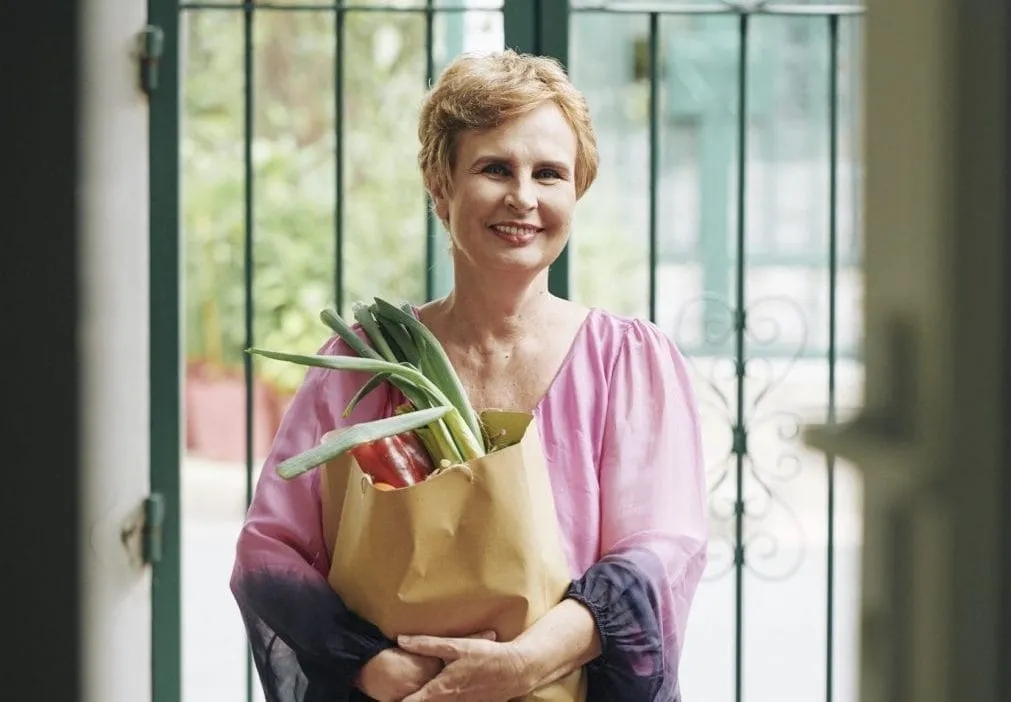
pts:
[543, 133]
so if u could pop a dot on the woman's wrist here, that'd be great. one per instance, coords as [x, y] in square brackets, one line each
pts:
[565, 639]
[533, 666]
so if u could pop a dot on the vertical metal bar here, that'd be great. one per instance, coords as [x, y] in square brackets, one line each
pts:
[1004, 527]
[833, 268]
[551, 29]
[247, 160]
[519, 25]
[542, 27]
[338, 117]
[740, 326]
[430, 242]
[166, 356]
[654, 153]
[715, 134]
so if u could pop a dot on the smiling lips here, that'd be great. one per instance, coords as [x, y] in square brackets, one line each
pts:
[516, 234]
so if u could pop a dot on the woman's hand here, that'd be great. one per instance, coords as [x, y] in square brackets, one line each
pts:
[477, 670]
[393, 674]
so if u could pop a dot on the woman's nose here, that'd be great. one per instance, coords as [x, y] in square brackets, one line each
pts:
[522, 196]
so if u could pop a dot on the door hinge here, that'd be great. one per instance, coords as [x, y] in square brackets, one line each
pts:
[152, 46]
[151, 534]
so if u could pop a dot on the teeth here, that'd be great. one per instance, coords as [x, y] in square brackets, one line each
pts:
[515, 231]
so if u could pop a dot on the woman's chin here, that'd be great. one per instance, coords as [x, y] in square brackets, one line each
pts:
[527, 260]
[495, 257]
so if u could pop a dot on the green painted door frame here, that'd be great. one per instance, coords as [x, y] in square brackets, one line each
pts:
[166, 355]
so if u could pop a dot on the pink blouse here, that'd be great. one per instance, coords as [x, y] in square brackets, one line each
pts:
[620, 431]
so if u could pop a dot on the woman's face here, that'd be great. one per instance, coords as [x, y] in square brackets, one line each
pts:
[513, 193]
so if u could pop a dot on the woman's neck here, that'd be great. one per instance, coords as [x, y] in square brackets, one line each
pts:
[481, 313]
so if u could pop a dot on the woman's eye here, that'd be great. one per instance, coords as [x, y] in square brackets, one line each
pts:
[548, 174]
[497, 169]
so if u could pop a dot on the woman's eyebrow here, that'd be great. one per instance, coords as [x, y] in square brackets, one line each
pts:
[557, 165]
[490, 158]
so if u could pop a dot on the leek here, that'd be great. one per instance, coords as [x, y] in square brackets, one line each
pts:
[408, 356]
[434, 362]
[369, 385]
[355, 435]
[347, 334]
[363, 313]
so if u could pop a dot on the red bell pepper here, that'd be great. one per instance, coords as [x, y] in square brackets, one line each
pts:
[399, 460]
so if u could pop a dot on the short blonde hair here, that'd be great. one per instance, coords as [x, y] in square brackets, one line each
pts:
[477, 92]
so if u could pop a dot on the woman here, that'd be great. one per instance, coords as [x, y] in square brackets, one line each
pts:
[506, 151]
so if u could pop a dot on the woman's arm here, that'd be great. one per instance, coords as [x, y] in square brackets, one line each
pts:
[562, 640]
[307, 645]
[653, 523]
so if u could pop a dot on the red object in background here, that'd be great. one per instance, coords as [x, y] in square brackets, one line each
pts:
[215, 414]
[399, 460]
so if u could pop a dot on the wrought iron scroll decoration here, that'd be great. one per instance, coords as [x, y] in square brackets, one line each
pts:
[715, 385]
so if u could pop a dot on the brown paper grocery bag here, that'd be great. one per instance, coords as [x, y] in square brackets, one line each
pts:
[473, 548]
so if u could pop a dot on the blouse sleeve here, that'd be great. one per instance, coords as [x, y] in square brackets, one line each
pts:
[306, 644]
[653, 523]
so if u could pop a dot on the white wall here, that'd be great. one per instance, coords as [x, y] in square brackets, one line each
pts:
[113, 303]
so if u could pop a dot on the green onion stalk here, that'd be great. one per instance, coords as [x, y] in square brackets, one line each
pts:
[407, 355]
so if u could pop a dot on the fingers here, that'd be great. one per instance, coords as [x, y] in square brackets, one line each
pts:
[446, 649]
[434, 691]
[427, 692]
[426, 667]
[419, 696]
[486, 635]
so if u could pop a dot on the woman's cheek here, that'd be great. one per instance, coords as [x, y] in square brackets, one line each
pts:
[560, 209]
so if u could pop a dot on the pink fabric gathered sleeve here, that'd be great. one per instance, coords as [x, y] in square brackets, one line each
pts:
[306, 644]
[653, 522]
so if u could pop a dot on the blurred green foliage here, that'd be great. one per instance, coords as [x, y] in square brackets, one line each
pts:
[294, 184]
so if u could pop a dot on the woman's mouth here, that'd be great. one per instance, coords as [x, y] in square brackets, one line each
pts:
[515, 235]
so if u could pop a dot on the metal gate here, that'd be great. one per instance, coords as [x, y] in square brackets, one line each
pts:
[283, 179]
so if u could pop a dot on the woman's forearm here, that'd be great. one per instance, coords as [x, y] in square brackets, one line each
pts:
[561, 641]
